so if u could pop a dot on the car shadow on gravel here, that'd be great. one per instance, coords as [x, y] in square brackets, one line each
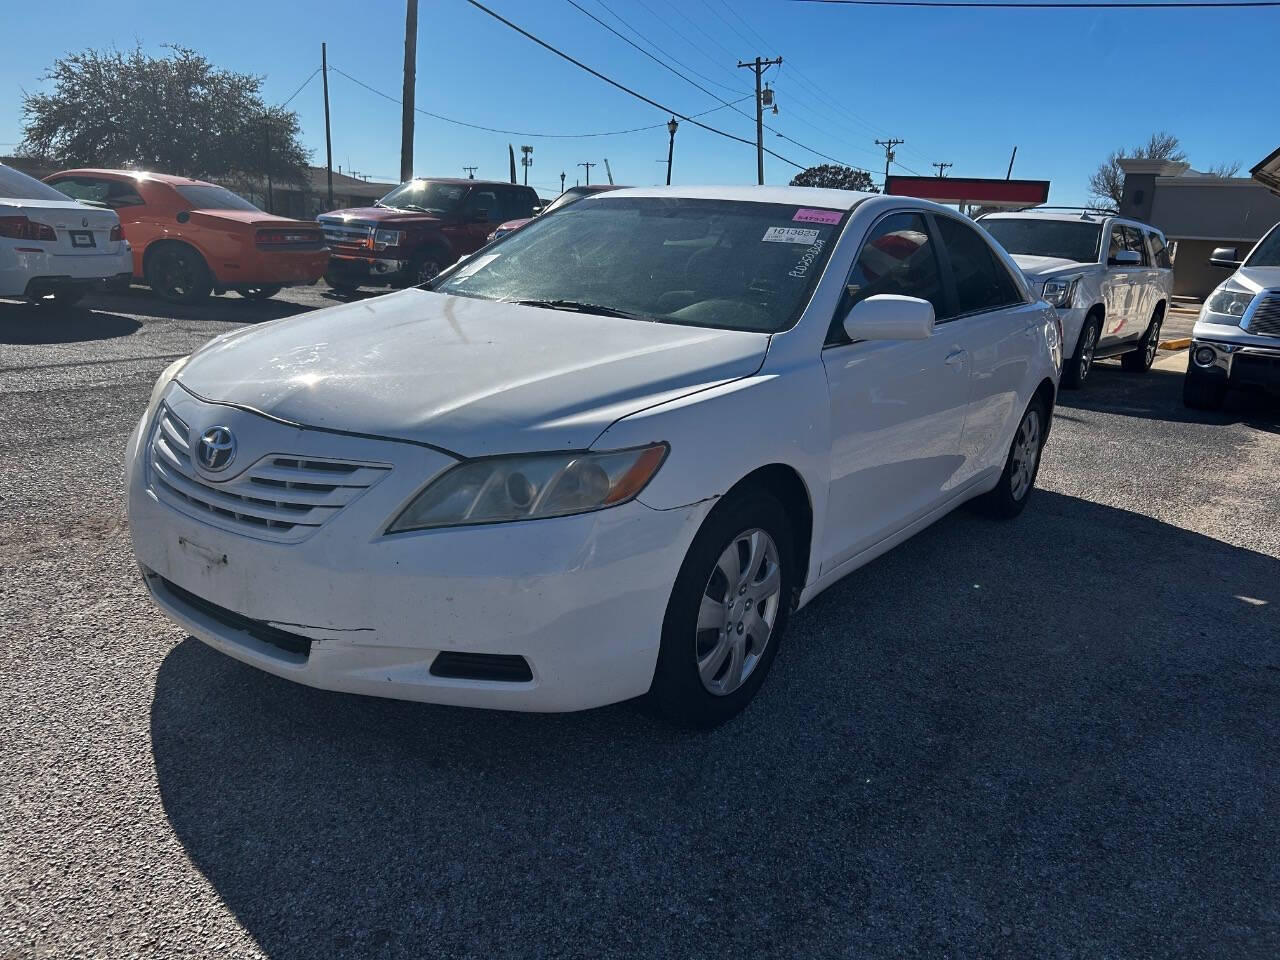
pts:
[230, 307]
[29, 323]
[1157, 395]
[975, 746]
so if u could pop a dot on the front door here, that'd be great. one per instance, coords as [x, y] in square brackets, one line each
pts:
[481, 214]
[897, 407]
[1118, 285]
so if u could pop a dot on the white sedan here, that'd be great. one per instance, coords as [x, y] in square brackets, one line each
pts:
[53, 247]
[604, 458]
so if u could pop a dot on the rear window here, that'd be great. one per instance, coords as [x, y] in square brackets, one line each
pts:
[16, 185]
[207, 196]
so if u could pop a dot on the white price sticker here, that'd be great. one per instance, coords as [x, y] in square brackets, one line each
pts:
[791, 235]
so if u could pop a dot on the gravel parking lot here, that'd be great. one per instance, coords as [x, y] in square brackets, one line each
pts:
[1058, 737]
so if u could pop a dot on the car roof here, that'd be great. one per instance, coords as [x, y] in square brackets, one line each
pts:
[801, 196]
[468, 182]
[134, 175]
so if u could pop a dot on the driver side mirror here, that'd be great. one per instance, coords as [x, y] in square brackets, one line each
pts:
[1227, 257]
[888, 316]
[1125, 258]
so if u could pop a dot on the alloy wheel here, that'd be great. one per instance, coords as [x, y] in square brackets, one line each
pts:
[1026, 454]
[739, 607]
[1153, 343]
[1086, 350]
[427, 270]
[176, 273]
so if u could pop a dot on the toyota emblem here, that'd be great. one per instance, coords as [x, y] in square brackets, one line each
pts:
[217, 448]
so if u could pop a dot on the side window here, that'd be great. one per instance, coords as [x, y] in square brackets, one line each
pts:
[1116, 244]
[1159, 252]
[982, 281]
[483, 203]
[110, 193]
[516, 204]
[122, 195]
[1133, 241]
[897, 257]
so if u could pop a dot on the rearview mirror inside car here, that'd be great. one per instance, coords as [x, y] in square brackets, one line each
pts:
[1227, 257]
[1125, 258]
[888, 316]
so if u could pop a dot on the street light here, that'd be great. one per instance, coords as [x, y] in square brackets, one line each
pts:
[672, 126]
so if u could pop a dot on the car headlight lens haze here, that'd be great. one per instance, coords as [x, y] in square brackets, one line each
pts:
[1228, 301]
[502, 489]
[1060, 291]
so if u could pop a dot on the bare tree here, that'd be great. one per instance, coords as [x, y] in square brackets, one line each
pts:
[1224, 169]
[1107, 182]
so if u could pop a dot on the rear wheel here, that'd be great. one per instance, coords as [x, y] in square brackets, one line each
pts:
[258, 293]
[727, 613]
[1140, 360]
[1076, 369]
[1202, 391]
[1021, 467]
[177, 273]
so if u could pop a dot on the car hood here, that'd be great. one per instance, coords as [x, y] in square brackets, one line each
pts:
[381, 215]
[1257, 278]
[1040, 268]
[472, 377]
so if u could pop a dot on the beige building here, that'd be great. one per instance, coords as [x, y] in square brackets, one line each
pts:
[1199, 211]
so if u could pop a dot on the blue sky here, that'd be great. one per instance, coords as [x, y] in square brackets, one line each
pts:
[962, 86]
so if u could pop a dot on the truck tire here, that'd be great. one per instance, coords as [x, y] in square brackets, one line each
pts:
[426, 264]
[1201, 391]
[1075, 369]
[1140, 360]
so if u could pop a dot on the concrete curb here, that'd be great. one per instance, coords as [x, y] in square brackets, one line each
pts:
[1180, 343]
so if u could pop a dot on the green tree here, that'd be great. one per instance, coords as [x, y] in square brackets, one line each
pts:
[1107, 182]
[834, 176]
[172, 114]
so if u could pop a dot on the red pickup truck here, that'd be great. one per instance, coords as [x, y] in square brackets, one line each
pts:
[418, 229]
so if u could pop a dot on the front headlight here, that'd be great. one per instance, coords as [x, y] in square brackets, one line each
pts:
[1060, 291]
[1227, 301]
[166, 378]
[501, 489]
[387, 238]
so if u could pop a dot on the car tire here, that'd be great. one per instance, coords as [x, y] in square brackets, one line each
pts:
[720, 580]
[425, 266]
[1200, 391]
[177, 273]
[1021, 466]
[1141, 359]
[258, 293]
[341, 285]
[1077, 367]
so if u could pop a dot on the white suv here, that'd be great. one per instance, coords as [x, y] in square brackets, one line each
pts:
[54, 247]
[1110, 279]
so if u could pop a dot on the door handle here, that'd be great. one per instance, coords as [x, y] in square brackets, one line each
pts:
[956, 357]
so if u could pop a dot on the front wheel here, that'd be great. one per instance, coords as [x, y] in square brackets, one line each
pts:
[258, 293]
[727, 612]
[1021, 466]
[1077, 366]
[341, 285]
[1203, 391]
[425, 267]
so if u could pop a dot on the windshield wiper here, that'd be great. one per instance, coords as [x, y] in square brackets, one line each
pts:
[577, 306]
[414, 206]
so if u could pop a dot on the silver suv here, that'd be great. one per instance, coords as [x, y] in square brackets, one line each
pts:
[1236, 339]
[1110, 279]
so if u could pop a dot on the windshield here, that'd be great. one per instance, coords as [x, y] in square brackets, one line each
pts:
[426, 196]
[1061, 239]
[206, 196]
[570, 195]
[716, 263]
[16, 185]
[1267, 253]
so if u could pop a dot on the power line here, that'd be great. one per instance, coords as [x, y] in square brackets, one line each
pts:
[301, 88]
[1057, 4]
[625, 89]
[515, 133]
[746, 23]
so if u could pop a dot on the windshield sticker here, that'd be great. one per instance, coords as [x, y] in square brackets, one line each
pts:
[790, 235]
[805, 215]
[801, 269]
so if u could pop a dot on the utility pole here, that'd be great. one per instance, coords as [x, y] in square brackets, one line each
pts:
[942, 168]
[671, 145]
[1011, 158]
[587, 167]
[328, 140]
[471, 171]
[758, 67]
[526, 161]
[562, 181]
[410, 81]
[888, 155]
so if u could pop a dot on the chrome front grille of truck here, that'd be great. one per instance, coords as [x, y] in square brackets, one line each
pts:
[346, 233]
[1264, 319]
[280, 497]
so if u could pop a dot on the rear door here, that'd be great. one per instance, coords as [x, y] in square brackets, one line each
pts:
[996, 324]
[1146, 281]
[1162, 267]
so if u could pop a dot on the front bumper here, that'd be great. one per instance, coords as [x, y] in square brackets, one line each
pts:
[1236, 363]
[581, 599]
[370, 271]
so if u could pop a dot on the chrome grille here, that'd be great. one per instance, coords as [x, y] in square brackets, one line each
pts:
[279, 497]
[1265, 318]
[346, 233]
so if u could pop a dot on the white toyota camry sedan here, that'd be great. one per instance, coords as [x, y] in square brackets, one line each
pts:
[604, 458]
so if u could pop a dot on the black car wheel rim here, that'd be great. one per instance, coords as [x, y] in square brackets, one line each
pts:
[176, 274]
